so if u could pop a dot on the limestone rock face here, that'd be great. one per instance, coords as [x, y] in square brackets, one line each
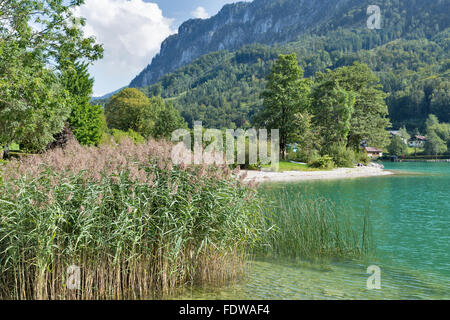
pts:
[261, 21]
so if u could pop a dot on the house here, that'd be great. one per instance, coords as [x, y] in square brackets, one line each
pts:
[417, 141]
[373, 152]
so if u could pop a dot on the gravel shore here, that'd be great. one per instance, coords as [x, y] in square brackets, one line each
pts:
[291, 176]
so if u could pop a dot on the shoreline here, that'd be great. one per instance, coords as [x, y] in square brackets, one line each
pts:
[296, 176]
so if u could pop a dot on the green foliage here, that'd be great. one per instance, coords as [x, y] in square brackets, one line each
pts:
[403, 133]
[118, 136]
[220, 89]
[223, 89]
[131, 109]
[343, 156]
[343, 108]
[364, 158]
[285, 96]
[168, 120]
[369, 115]
[438, 136]
[332, 108]
[397, 146]
[34, 103]
[323, 162]
[86, 121]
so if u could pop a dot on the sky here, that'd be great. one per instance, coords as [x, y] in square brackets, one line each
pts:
[131, 32]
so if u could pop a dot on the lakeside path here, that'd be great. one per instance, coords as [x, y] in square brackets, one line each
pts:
[292, 176]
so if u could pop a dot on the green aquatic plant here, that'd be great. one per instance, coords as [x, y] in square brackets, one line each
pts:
[312, 229]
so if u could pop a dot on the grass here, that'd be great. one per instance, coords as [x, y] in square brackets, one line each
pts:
[314, 229]
[411, 151]
[286, 165]
[12, 147]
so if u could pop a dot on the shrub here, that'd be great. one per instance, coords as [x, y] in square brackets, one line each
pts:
[343, 156]
[307, 156]
[364, 158]
[133, 223]
[116, 136]
[324, 162]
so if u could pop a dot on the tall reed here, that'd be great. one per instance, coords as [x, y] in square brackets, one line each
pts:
[136, 226]
[313, 229]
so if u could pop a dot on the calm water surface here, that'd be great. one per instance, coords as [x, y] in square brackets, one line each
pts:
[410, 215]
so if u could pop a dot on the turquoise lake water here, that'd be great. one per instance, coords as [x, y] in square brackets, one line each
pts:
[410, 219]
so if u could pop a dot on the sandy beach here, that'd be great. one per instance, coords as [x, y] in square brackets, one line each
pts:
[290, 176]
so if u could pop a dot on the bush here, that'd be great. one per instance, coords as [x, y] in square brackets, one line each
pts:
[307, 156]
[324, 162]
[116, 136]
[133, 223]
[343, 156]
[364, 158]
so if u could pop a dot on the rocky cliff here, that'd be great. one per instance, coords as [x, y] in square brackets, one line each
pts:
[261, 21]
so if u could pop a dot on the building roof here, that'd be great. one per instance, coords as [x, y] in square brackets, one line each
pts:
[372, 149]
[394, 132]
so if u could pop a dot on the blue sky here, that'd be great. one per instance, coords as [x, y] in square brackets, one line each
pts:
[182, 10]
[131, 32]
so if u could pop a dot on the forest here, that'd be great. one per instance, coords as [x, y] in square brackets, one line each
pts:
[223, 89]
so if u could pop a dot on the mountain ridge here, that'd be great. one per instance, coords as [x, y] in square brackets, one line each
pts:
[274, 22]
[410, 54]
[237, 24]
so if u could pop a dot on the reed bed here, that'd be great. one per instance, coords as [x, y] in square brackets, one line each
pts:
[135, 226]
[313, 229]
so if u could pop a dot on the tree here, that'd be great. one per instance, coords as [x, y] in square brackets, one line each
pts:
[86, 121]
[435, 145]
[37, 38]
[403, 133]
[169, 120]
[397, 146]
[132, 109]
[332, 109]
[32, 107]
[305, 134]
[286, 95]
[369, 119]
[438, 134]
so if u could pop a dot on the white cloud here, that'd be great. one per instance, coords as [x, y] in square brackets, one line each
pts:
[131, 32]
[200, 13]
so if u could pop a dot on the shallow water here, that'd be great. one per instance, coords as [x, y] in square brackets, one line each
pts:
[410, 218]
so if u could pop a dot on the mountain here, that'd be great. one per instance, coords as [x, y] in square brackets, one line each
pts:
[275, 22]
[106, 96]
[214, 70]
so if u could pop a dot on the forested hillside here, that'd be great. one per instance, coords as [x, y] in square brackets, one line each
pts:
[225, 59]
[274, 22]
[223, 89]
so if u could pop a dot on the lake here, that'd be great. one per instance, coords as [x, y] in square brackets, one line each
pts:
[410, 220]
